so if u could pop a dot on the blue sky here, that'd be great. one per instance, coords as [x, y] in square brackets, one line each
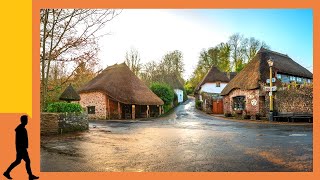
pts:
[154, 32]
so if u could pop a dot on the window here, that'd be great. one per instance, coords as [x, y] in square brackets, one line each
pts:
[278, 76]
[299, 79]
[292, 78]
[309, 80]
[239, 103]
[91, 109]
[217, 84]
[285, 78]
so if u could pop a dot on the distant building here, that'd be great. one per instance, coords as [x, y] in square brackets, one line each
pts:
[245, 93]
[209, 89]
[117, 93]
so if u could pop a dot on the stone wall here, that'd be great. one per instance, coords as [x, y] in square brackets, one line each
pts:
[57, 123]
[71, 122]
[293, 99]
[252, 101]
[96, 99]
[49, 123]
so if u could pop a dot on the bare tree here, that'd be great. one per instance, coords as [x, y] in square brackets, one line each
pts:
[67, 37]
[133, 61]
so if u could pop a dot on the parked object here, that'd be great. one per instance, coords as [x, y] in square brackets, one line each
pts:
[117, 93]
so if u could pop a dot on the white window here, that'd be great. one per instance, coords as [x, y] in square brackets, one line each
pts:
[278, 76]
[299, 79]
[292, 78]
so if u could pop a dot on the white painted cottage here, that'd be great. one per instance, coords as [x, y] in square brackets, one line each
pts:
[209, 89]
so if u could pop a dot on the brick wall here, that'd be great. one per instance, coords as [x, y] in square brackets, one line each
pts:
[251, 97]
[96, 99]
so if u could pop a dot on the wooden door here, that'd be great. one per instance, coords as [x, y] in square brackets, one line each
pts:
[217, 106]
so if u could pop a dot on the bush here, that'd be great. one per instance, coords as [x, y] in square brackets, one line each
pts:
[198, 104]
[164, 91]
[64, 107]
[185, 96]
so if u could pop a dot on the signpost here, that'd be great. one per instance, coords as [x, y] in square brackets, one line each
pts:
[273, 80]
[273, 88]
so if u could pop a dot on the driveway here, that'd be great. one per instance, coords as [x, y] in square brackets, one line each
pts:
[186, 140]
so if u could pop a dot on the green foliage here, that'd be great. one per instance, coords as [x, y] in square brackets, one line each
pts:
[185, 96]
[198, 104]
[164, 91]
[64, 107]
[189, 88]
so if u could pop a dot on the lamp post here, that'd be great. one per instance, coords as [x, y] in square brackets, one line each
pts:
[270, 62]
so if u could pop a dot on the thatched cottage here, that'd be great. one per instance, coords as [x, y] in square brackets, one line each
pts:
[117, 93]
[209, 89]
[245, 93]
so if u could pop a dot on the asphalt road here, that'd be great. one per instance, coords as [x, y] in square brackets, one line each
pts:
[186, 140]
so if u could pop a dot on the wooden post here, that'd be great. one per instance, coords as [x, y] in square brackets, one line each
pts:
[159, 110]
[148, 115]
[133, 111]
[108, 105]
[119, 110]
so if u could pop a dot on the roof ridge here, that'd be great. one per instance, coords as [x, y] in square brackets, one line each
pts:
[274, 52]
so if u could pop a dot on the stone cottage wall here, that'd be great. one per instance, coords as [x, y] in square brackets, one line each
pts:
[294, 99]
[96, 99]
[251, 97]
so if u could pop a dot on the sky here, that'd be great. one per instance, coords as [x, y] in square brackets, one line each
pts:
[155, 32]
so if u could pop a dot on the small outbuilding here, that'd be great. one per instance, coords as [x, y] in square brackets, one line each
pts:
[117, 93]
[246, 92]
[69, 94]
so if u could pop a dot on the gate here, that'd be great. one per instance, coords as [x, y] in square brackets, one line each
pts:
[217, 106]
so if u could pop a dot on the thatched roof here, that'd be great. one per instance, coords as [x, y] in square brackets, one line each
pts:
[173, 81]
[257, 71]
[121, 84]
[69, 94]
[215, 75]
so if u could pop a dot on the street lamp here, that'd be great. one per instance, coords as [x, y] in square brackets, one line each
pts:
[270, 62]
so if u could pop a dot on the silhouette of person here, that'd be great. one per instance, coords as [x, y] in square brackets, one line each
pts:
[21, 148]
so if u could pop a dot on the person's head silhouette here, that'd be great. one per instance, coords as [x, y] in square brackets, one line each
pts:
[24, 119]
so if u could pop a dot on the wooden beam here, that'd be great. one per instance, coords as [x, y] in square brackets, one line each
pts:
[133, 111]
[108, 105]
[119, 110]
[148, 110]
[159, 110]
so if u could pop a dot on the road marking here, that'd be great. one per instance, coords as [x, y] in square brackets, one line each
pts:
[298, 135]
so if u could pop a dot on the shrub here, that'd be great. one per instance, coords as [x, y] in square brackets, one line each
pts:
[64, 107]
[164, 91]
[185, 96]
[198, 104]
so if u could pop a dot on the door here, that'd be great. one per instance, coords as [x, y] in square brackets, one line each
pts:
[217, 106]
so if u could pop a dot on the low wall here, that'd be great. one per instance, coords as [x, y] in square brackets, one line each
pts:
[49, 123]
[293, 99]
[71, 122]
[58, 123]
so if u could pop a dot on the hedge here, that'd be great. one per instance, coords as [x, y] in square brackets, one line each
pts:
[64, 107]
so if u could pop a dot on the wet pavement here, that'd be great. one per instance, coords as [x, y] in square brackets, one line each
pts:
[186, 140]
